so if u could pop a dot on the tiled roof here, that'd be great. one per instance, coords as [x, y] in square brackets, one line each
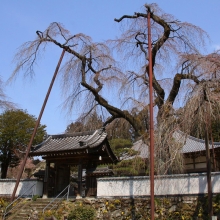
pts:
[190, 144]
[68, 142]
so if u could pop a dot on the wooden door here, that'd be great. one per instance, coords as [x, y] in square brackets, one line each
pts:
[62, 177]
[51, 183]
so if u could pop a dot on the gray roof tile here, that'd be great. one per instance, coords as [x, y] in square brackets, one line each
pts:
[68, 142]
[190, 144]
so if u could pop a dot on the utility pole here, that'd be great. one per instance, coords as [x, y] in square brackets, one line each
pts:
[36, 126]
[150, 74]
[208, 164]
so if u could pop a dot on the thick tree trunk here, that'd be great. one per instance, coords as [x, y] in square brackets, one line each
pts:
[4, 169]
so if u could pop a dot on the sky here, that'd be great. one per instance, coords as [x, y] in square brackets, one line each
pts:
[19, 21]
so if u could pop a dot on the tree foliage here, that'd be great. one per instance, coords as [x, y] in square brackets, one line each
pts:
[30, 167]
[130, 164]
[212, 119]
[16, 127]
[180, 69]
[90, 123]
[4, 101]
[120, 129]
[132, 167]
[121, 147]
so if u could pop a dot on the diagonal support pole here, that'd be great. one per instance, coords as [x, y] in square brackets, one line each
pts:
[36, 126]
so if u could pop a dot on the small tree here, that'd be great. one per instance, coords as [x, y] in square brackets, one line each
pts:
[15, 132]
[131, 164]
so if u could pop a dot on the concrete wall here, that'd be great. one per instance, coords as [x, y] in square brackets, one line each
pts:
[181, 184]
[27, 187]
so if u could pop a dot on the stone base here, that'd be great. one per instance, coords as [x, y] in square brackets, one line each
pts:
[44, 196]
[79, 197]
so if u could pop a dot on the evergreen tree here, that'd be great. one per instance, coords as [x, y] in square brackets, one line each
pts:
[16, 128]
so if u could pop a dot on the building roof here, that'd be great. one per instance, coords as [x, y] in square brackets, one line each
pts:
[75, 147]
[190, 144]
[70, 142]
[99, 171]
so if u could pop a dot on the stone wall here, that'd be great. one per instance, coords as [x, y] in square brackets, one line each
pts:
[168, 185]
[178, 207]
[27, 187]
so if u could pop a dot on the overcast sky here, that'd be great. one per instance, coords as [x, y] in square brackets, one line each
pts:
[22, 18]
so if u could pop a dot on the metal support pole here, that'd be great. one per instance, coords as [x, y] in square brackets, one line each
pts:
[208, 165]
[36, 126]
[150, 74]
[213, 151]
[68, 191]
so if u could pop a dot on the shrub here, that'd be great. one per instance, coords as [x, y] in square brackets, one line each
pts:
[49, 214]
[82, 213]
[117, 202]
[34, 198]
[4, 202]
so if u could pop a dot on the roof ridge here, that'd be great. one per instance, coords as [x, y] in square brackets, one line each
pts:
[195, 138]
[93, 135]
[75, 134]
[44, 142]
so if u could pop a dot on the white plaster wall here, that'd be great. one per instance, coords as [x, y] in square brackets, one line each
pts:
[24, 188]
[182, 184]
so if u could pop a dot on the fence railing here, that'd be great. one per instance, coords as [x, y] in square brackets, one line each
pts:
[13, 204]
[58, 198]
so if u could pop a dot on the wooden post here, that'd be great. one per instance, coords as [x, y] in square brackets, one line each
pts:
[45, 192]
[80, 179]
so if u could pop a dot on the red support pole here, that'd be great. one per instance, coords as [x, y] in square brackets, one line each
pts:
[150, 74]
[208, 163]
[36, 126]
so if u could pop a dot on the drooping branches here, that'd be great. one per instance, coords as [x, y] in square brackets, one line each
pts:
[90, 65]
[169, 39]
[91, 77]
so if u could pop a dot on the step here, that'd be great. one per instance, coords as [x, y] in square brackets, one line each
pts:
[24, 209]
